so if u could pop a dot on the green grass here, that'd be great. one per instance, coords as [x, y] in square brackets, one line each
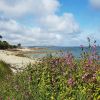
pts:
[4, 70]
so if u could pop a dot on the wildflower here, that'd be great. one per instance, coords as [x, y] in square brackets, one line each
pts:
[88, 77]
[71, 82]
[90, 60]
[94, 46]
[94, 50]
[93, 78]
[69, 59]
[82, 47]
[85, 77]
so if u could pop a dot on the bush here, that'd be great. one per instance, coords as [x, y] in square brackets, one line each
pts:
[6, 45]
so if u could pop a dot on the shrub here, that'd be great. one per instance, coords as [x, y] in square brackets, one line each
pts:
[6, 45]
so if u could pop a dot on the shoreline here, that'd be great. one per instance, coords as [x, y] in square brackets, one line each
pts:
[17, 62]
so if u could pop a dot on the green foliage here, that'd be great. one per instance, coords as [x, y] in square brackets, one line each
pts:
[19, 45]
[6, 45]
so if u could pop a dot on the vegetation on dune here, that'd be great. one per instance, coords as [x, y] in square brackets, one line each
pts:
[4, 70]
[6, 45]
[64, 78]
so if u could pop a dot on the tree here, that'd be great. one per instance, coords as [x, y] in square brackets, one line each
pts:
[19, 45]
[4, 45]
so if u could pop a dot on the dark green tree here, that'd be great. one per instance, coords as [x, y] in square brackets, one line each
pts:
[19, 45]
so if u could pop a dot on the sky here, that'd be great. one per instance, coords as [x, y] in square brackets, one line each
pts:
[50, 22]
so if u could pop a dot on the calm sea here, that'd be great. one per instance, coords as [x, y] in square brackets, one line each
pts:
[56, 51]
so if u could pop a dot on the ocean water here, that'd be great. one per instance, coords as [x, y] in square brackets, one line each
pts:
[57, 51]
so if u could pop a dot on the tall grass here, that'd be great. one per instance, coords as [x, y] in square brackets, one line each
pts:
[4, 70]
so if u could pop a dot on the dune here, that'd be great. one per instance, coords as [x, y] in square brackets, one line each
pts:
[17, 63]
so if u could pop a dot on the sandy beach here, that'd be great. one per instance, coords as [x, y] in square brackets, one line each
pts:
[17, 63]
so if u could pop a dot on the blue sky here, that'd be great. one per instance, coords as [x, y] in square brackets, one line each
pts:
[50, 22]
[84, 13]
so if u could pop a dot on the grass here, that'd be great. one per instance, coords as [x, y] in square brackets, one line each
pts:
[4, 70]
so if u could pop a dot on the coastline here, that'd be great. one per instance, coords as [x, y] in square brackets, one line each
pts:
[17, 63]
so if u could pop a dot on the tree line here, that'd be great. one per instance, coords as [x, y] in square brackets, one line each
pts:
[6, 45]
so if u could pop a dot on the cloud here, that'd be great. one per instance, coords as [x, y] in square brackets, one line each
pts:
[49, 28]
[9, 25]
[17, 8]
[64, 23]
[26, 35]
[95, 3]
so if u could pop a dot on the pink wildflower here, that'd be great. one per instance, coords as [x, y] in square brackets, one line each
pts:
[71, 82]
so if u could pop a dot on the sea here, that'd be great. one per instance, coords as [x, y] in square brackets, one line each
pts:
[57, 51]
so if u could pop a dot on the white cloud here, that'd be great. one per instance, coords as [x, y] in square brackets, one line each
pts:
[9, 25]
[95, 3]
[19, 8]
[50, 28]
[64, 23]
[35, 35]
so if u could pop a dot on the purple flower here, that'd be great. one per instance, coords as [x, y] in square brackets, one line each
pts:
[81, 46]
[90, 60]
[69, 59]
[94, 46]
[71, 82]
